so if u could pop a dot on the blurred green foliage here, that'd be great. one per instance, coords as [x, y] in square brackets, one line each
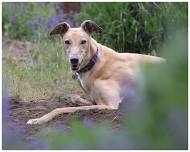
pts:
[161, 120]
[135, 27]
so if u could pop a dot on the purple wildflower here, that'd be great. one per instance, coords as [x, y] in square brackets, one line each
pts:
[51, 21]
[10, 132]
[47, 24]
[88, 122]
[34, 144]
[12, 19]
[10, 136]
[60, 15]
[39, 19]
[6, 105]
[55, 20]
[5, 102]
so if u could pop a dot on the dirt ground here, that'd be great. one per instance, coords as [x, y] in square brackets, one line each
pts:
[21, 112]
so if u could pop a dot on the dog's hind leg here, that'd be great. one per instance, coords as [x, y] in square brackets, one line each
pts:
[58, 111]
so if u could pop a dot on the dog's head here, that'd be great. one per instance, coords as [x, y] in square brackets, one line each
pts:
[76, 41]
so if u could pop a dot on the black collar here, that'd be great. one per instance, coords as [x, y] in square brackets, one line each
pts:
[90, 64]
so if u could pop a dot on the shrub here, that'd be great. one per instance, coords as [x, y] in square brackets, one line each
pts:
[30, 20]
[135, 27]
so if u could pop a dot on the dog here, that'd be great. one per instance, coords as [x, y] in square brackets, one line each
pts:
[107, 76]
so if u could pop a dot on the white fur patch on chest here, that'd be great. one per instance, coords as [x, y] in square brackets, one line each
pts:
[81, 81]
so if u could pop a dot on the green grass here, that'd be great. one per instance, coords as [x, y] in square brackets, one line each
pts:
[47, 75]
[135, 27]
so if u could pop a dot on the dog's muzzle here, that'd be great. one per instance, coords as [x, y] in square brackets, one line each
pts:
[74, 64]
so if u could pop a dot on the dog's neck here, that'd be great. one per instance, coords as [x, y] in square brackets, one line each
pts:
[91, 58]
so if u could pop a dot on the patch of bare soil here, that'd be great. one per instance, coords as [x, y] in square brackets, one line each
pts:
[21, 112]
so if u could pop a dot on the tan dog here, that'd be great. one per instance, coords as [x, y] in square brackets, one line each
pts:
[107, 76]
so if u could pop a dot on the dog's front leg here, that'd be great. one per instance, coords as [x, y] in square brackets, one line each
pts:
[78, 99]
[58, 111]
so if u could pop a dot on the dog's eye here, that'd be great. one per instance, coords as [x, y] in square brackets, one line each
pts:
[83, 42]
[67, 42]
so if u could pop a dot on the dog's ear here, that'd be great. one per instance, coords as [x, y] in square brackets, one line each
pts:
[90, 27]
[61, 29]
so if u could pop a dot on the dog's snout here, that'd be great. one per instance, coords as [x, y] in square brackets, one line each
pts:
[74, 61]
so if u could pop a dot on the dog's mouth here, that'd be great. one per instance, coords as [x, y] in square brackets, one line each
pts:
[75, 67]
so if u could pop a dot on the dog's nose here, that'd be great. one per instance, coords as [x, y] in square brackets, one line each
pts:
[74, 61]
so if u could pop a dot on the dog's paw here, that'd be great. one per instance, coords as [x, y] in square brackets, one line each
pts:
[33, 121]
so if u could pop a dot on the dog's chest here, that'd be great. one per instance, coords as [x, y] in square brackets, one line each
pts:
[83, 79]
